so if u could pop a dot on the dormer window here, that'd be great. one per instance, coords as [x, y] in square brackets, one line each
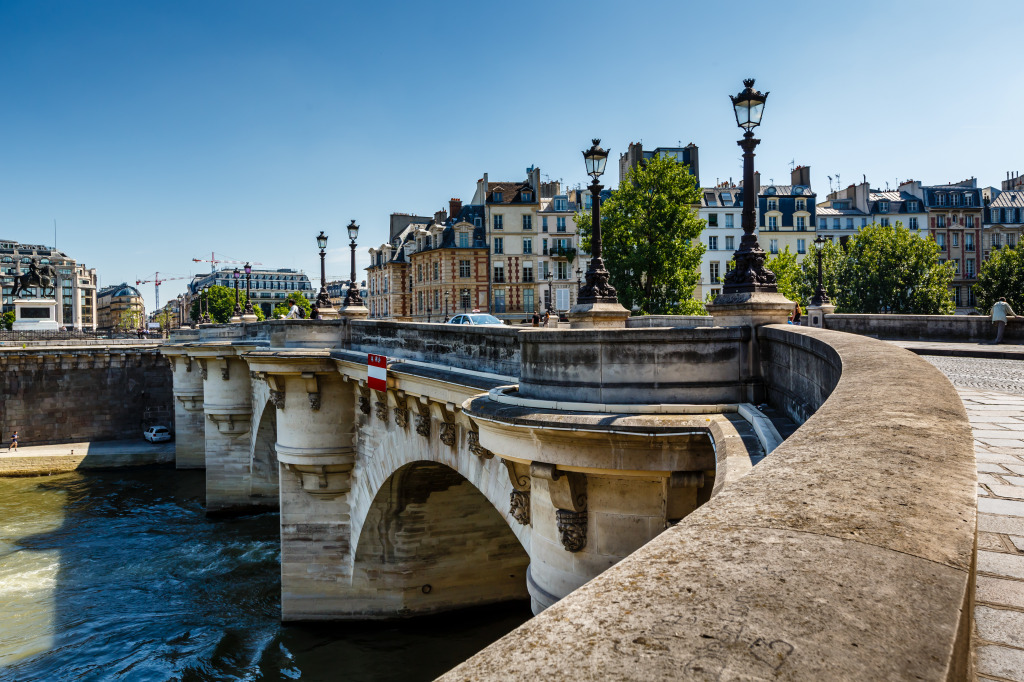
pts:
[798, 190]
[496, 197]
[527, 196]
[969, 199]
[911, 207]
[773, 204]
[770, 191]
[883, 206]
[801, 204]
[726, 198]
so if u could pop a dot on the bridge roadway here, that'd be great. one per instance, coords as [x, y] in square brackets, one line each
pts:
[993, 393]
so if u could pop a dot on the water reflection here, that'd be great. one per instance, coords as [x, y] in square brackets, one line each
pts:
[120, 575]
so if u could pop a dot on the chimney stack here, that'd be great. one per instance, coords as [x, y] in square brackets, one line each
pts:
[454, 207]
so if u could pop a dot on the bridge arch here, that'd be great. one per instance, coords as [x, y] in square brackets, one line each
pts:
[263, 465]
[431, 541]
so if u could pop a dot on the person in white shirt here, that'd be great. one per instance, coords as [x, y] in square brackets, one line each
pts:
[293, 312]
[999, 312]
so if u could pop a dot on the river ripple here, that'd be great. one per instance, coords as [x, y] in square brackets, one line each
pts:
[120, 576]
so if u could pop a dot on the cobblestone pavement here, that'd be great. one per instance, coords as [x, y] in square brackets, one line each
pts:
[1006, 376]
[993, 394]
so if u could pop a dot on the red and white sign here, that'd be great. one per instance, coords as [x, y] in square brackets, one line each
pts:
[377, 372]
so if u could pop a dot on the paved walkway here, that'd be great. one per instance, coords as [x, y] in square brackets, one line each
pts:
[993, 393]
[964, 349]
[40, 460]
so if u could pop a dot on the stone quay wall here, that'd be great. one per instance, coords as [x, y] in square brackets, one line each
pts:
[59, 395]
[846, 554]
[925, 327]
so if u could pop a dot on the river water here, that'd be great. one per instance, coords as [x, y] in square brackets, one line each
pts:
[120, 576]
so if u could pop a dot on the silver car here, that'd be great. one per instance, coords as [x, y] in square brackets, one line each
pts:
[157, 434]
[477, 320]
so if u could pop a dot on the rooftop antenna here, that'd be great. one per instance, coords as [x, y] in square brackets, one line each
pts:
[792, 165]
[54, 234]
[839, 185]
[830, 183]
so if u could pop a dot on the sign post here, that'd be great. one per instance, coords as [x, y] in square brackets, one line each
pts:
[377, 372]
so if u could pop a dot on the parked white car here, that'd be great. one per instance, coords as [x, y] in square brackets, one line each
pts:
[477, 319]
[157, 434]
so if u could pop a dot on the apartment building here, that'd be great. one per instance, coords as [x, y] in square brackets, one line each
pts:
[76, 285]
[635, 155]
[267, 287]
[120, 306]
[449, 260]
[787, 215]
[721, 208]
[1004, 219]
[955, 213]
[845, 212]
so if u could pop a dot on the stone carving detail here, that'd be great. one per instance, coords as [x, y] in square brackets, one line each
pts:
[476, 448]
[314, 401]
[202, 370]
[382, 411]
[364, 404]
[277, 397]
[423, 421]
[170, 359]
[401, 416]
[572, 529]
[225, 371]
[519, 506]
[188, 363]
[448, 433]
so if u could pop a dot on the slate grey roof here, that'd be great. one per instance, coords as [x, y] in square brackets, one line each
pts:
[1009, 199]
[829, 211]
[786, 190]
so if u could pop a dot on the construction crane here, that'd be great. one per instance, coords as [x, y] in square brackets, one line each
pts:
[157, 281]
[214, 260]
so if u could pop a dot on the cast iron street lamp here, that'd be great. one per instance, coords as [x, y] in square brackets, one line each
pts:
[206, 296]
[322, 299]
[352, 297]
[248, 290]
[238, 310]
[750, 274]
[551, 279]
[820, 297]
[597, 289]
[446, 305]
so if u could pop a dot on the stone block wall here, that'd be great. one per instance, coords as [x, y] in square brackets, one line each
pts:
[57, 396]
[484, 349]
[799, 372]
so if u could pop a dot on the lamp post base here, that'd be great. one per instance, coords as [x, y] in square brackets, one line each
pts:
[354, 312]
[816, 314]
[598, 315]
[750, 309]
[235, 319]
[250, 317]
[327, 312]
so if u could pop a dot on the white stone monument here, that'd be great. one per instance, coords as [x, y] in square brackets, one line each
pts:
[35, 314]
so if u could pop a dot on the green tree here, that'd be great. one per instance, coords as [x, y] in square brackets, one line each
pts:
[282, 309]
[130, 320]
[788, 275]
[7, 321]
[650, 237]
[889, 269]
[1002, 275]
[222, 305]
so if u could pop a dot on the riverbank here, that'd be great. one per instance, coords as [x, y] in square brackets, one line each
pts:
[44, 460]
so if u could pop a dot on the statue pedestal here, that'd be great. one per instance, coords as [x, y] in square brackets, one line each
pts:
[354, 312]
[35, 314]
[750, 309]
[600, 315]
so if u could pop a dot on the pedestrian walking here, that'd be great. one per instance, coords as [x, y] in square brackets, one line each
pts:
[1000, 310]
[14, 442]
[796, 314]
[536, 319]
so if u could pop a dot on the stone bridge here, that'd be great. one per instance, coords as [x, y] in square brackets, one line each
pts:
[498, 464]
[505, 463]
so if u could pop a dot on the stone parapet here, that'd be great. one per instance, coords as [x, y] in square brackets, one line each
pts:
[695, 365]
[846, 554]
[925, 327]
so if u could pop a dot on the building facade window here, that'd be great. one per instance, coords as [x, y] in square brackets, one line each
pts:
[774, 246]
[528, 272]
[940, 239]
[713, 243]
[560, 224]
[884, 222]
[464, 301]
[464, 268]
[527, 246]
[499, 300]
[544, 223]
[437, 271]
[801, 246]
[499, 245]
[729, 241]
[463, 240]
[940, 221]
[773, 222]
[713, 272]
[527, 222]
[562, 269]
[498, 225]
[956, 240]
[499, 272]
[969, 267]
[801, 204]
[528, 302]
[969, 242]
[969, 221]
[773, 204]
[728, 220]
[912, 223]
[801, 223]
[712, 220]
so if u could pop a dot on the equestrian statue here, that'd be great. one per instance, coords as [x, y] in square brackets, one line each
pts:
[42, 276]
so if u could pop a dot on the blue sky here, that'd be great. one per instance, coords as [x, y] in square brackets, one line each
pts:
[155, 132]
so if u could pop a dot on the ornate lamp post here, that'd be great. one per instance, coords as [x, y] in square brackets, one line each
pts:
[551, 300]
[352, 297]
[820, 297]
[597, 289]
[750, 274]
[205, 296]
[446, 306]
[322, 299]
[249, 312]
[238, 311]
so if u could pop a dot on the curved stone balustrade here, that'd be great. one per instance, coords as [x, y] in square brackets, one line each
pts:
[846, 554]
